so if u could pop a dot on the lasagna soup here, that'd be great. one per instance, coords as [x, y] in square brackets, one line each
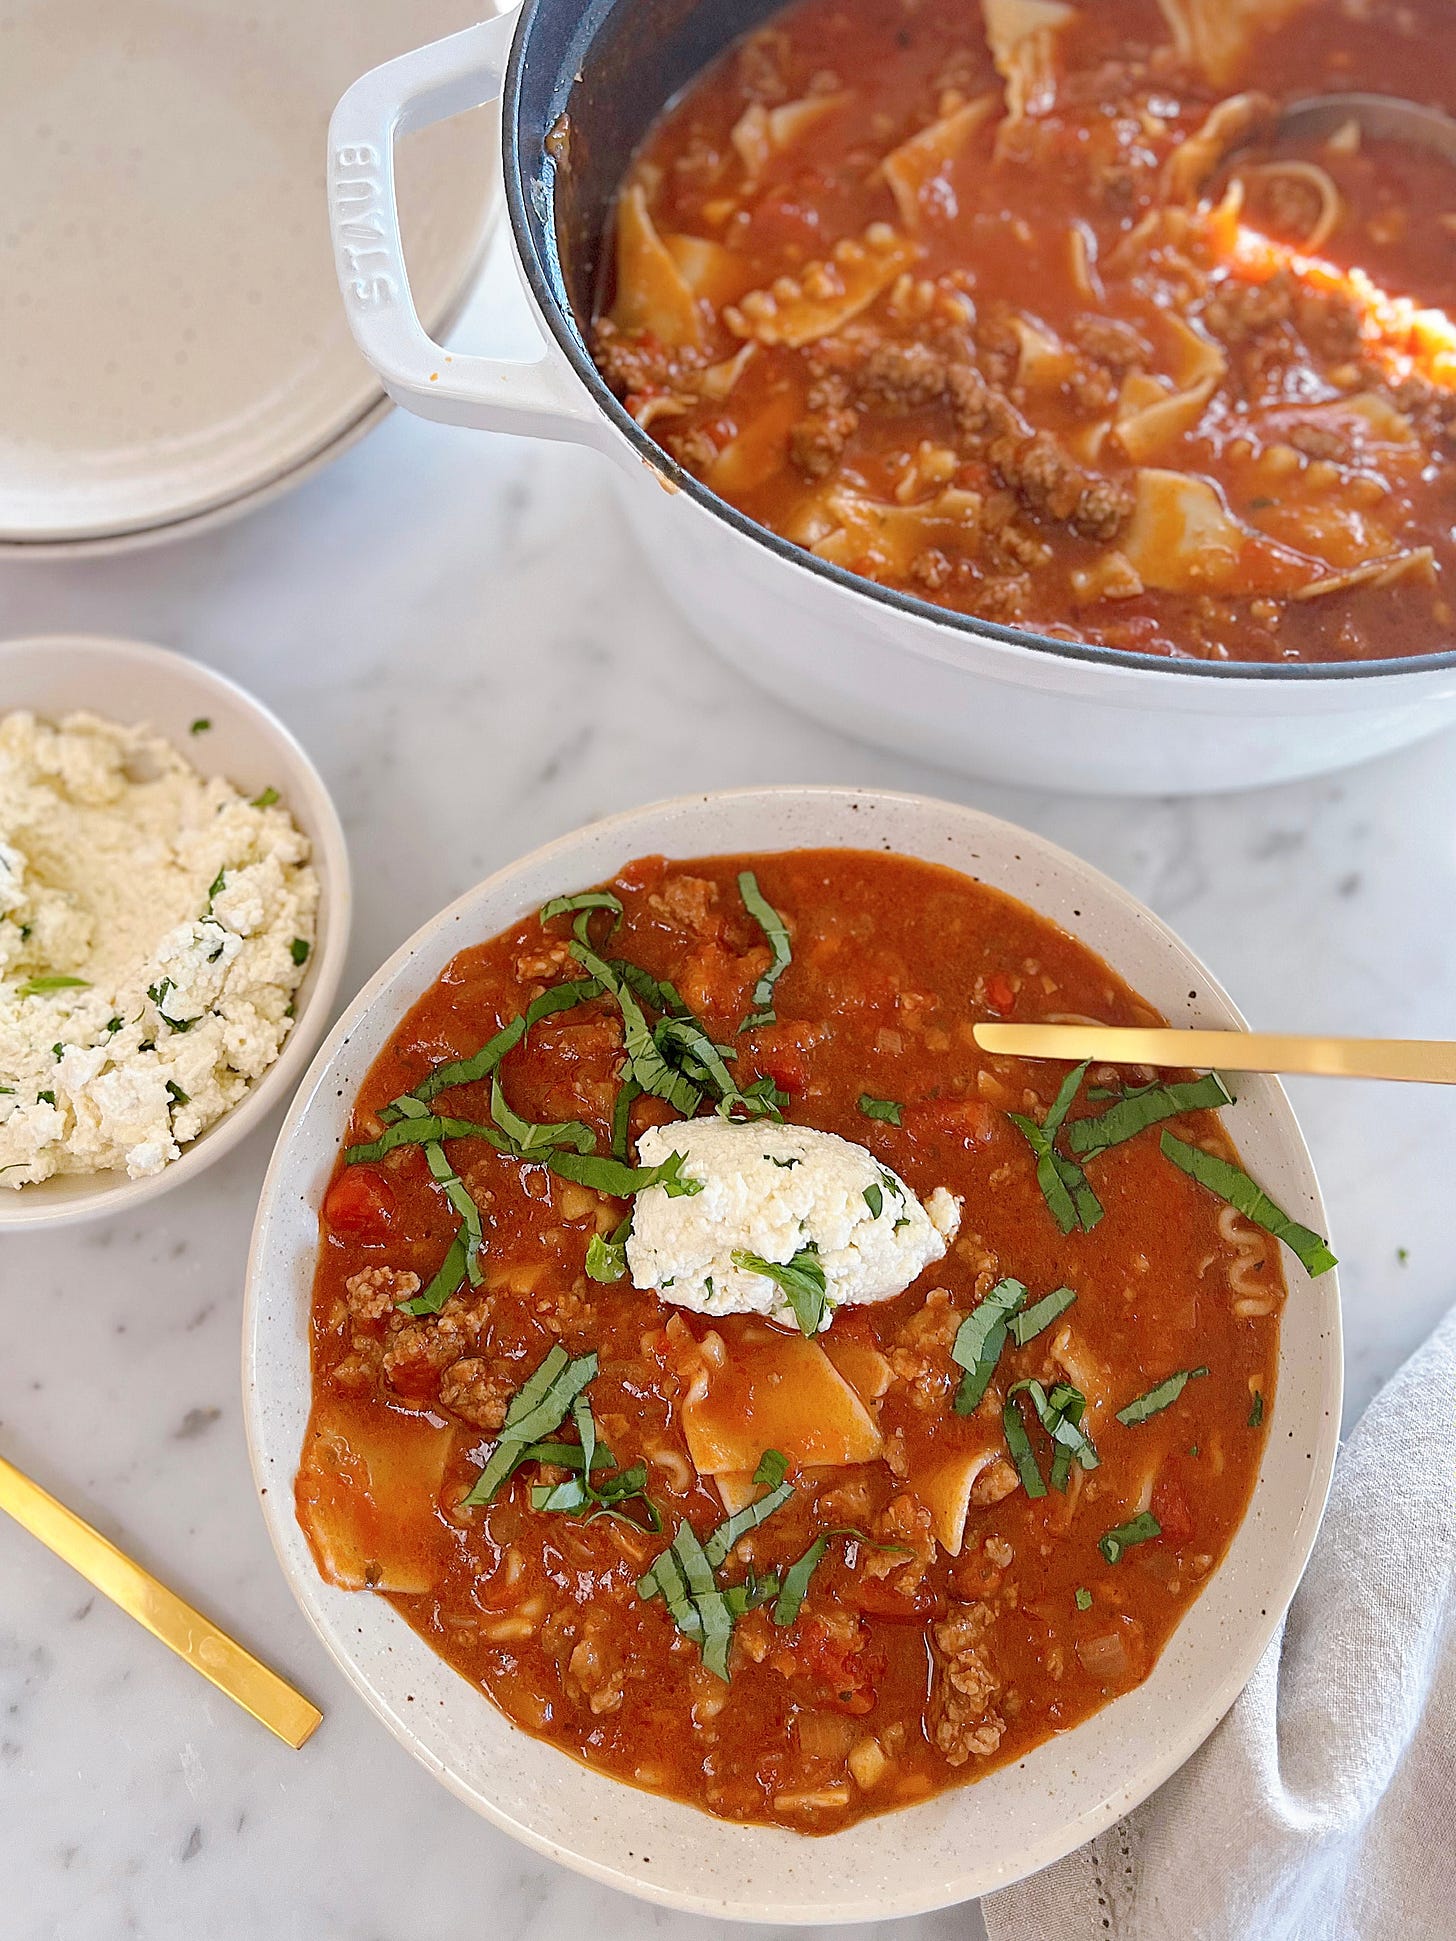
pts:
[750, 1386]
[1031, 309]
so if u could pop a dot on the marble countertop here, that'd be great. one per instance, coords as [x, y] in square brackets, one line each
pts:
[461, 632]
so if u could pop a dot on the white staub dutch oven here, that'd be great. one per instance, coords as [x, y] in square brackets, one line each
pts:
[579, 85]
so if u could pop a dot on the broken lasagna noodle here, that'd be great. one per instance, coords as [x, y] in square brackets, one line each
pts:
[965, 1516]
[1022, 308]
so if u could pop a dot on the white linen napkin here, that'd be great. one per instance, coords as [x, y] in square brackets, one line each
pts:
[1323, 1808]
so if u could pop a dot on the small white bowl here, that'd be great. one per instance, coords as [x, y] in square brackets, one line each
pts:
[963, 1842]
[124, 680]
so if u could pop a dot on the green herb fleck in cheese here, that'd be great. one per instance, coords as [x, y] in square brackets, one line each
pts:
[148, 928]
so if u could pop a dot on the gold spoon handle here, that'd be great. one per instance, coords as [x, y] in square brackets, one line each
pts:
[1422, 1060]
[191, 1635]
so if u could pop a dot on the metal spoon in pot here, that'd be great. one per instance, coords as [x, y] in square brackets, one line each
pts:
[1383, 117]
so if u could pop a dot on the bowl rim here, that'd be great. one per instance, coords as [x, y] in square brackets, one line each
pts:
[113, 1192]
[1073, 1825]
[530, 203]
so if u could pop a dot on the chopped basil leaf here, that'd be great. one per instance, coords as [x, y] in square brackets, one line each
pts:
[421, 1131]
[480, 1064]
[57, 1052]
[157, 992]
[298, 950]
[606, 1260]
[1060, 1415]
[1135, 1111]
[1256, 1413]
[777, 1493]
[1233, 1184]
[37, 986]
[980, 1339]
[581, 1494]
[448, 1276]
[215, 888]
[586, 900]
[176, 1094]
[113, 1025]
[1061, 1104]
[772, 1468]
[1031, 1321]
[527, 1139]
[1141, 1528]
[1083, 1599]
[1063, 1184]
[645, 1061]
[45, 1098]
[266, 800]
[458, 1194]
[1159, 1398]
[887, 1109]
[620, 1181]
[784, 1163]
[684, 1044]
[801, 1278]
[200, 726]
[874, 1199]
[628, 1090]
[763, 1098]
[538, 1408]
[776, 931]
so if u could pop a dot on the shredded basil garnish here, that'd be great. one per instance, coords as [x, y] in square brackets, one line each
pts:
[888, 1110]
[1083, 1598]
[298, 950]
[200, 726]
[620, 1181]
[176, 1094]
[37, 986]
[776, 932]
[480, 1064]
[266, 800]
[1159, 1398]
[684, 1575]
[448, 1276]
[1060, 1413]
[1135, 1111]
[1256, 1413]
[1031, 1322]
[797, 1576]
[628, 1090]
[537, 1409]
[1141, 1528]
[606, 1259]
[527, 1140]
[874, 1199]
[1233, 1184]
[1063, 1184]
[801, 1278]
[419, 1132]
[584, 900]
[581, 1494]
[646, 1063]
[980, 1339]
[216, 886]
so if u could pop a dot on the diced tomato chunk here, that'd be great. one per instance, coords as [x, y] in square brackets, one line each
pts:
[360, 1203]
[786, 1065]
[1171, 1508]
[1000, 994]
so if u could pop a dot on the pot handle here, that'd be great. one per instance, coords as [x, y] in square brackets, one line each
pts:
[537, 398]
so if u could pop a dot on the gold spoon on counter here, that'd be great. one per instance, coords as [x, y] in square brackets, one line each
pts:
[1428, 1061]
[192, 1636]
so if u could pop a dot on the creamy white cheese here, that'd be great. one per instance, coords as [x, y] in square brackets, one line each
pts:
[773, 1191]
[181, 906]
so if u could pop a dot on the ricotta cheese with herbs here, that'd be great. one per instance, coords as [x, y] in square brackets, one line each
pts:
[789, 1222]
[154, 927]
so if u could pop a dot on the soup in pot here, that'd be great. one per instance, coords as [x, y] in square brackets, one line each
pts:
[1026, 308]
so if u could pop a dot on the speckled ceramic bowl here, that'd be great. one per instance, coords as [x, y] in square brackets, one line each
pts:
[959, 1843]
[125, 680]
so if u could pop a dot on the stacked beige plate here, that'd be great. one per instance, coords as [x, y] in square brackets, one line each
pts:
[172, 345]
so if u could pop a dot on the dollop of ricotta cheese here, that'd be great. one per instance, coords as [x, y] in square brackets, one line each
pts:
[154, 926]
[773, 1191]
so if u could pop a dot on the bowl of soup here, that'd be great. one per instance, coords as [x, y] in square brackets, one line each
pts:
[1001, 383]
[751, 1444]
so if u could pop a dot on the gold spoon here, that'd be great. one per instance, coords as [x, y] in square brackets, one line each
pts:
[192, 1636]
[1420, 1060]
